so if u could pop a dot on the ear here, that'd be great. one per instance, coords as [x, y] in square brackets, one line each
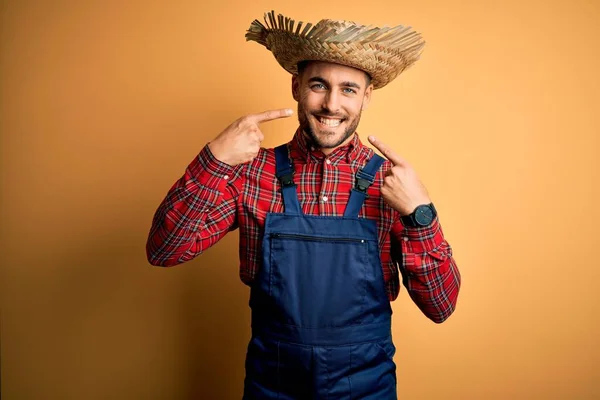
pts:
[296, 87]
[367, 97]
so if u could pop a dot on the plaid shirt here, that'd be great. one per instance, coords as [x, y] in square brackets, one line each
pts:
[213, 198]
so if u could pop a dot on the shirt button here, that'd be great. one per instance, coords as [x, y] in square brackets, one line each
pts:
[325, 198]
[405, 238]
[226, 177]
[328, 161]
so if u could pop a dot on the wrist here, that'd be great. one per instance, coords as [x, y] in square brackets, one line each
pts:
[404, 211]
[217, 152]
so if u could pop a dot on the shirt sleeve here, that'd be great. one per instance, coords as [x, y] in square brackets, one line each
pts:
[428, 269]
[199, 210]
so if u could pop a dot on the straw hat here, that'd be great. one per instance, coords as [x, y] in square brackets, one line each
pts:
[383, 53]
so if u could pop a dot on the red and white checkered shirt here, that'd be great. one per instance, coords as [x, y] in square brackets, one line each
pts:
[213, 198]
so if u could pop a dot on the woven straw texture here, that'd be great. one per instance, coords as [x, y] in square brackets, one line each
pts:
[384, 53]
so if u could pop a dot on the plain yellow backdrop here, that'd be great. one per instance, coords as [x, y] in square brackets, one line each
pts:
[104, 103]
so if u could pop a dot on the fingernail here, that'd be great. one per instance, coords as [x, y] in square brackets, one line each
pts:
[371, 137]
[289, 111]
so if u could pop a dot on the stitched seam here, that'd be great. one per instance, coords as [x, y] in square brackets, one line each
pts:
[278, 373]
[349, 374]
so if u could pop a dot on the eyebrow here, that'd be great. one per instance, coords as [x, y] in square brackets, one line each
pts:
[344, 84]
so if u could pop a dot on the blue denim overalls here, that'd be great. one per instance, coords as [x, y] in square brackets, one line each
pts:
[321, 319]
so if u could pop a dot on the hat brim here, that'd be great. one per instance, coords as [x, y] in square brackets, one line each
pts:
[383, 53]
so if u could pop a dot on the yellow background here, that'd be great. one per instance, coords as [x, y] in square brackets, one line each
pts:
[104, 103]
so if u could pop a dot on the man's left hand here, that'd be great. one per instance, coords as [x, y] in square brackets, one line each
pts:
[402, 188]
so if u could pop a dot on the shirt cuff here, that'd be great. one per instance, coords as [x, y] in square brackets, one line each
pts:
[423, 239]
[207, 170]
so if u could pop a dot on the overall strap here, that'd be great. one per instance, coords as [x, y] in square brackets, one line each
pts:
[285, 174]
[364, 178]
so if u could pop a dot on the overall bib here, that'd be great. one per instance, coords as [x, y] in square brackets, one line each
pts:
[321, 319]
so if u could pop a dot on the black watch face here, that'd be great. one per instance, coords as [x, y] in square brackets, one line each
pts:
[424, 215]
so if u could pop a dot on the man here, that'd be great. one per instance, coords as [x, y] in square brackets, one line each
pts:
[324, 222]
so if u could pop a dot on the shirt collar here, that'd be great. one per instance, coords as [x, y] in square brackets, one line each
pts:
[303, 149]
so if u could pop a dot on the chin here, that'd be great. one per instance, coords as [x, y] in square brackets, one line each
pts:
[328, 139]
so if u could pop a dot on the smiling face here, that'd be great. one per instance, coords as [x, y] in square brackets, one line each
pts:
[330, 100]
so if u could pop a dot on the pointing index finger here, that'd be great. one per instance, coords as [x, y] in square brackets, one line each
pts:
[270, 115]
[386, 151]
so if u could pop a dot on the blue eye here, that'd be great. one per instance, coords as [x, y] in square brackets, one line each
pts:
[318, 86]
[348, 90]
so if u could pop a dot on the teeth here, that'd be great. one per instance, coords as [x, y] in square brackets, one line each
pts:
[332, 123]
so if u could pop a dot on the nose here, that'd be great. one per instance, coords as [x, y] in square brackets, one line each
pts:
[331, 102]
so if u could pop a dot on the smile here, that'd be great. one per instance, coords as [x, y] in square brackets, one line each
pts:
[329, 122]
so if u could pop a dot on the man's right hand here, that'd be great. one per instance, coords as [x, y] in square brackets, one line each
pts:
[240, 142]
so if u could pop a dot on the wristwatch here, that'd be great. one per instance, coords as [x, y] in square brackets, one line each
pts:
[422, 216]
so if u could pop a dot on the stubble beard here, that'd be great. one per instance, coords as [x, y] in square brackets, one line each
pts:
[305, 125]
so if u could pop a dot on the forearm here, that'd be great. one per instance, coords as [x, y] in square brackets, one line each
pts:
[196, 213]
[430, 273]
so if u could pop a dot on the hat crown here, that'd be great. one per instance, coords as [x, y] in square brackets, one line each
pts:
[338, 25]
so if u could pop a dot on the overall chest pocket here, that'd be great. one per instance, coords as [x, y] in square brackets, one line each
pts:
[317, 281]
